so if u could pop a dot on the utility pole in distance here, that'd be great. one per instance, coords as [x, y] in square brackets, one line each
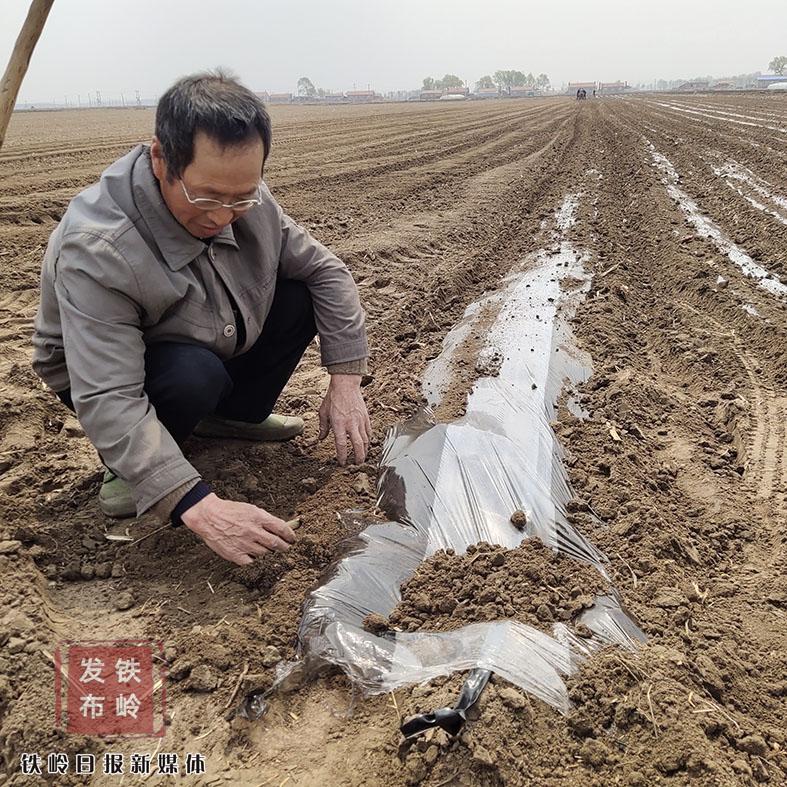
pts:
[20, 60]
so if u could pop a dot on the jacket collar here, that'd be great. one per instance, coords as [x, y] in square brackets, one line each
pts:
[178, 246]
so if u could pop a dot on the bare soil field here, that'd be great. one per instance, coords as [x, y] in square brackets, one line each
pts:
[682, 212]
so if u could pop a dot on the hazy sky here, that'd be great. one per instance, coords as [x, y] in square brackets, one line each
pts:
[121, 46]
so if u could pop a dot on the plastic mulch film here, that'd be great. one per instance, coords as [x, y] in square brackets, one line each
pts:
[459, 483]
[450, 485]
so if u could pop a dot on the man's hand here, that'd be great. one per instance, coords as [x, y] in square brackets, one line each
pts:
[238, 532]
[343, 411]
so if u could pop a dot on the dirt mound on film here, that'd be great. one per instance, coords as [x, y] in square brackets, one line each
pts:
[531, 584]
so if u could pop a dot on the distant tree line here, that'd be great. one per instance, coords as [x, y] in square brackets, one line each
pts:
[448, 82]
[504, 81]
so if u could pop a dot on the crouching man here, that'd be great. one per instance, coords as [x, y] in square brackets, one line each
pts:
[177, 298]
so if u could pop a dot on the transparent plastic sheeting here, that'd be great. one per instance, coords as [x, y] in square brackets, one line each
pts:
[450, 485]
[426, 484]
[459, 483]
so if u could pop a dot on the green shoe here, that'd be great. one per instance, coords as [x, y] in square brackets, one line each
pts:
[115, 498]
[274, 427]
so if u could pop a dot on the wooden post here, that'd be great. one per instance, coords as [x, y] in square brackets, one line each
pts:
[20, 60]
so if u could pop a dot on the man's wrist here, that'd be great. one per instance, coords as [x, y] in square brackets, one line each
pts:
[345, 381]
[189, 500]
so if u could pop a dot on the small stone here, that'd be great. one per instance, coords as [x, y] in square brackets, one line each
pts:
[519, 520]
[202, 679]
[117, 570]
[103, 570]
[512, 698]
[581, 724]
[362, 485]
[498, 559]
[483, 756]
[87, 571]
[9, 547]
[375, 623]
[777, 689]
[741, 766]
[180, 669]
[544, 613]
[71, 427]
[123, 601]
[15, 645]
[309, 484]
[170, 653]
[670, 761]
[753, 744]
[586, 601]
[430, 755]
[72, 572]
[447, 605]
[271, 656]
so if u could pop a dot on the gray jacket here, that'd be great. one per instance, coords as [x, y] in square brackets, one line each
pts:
[120, 273]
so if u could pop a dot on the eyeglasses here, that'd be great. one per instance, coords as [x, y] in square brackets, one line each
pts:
[205, 203]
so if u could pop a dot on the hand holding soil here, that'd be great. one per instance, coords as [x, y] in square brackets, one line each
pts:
[343, 411]
[238, 532]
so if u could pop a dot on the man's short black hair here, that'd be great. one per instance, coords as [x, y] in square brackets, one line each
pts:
[215, 103]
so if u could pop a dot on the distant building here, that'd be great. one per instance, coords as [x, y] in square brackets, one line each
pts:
[574, 86]
[723, 86]
[522, 91]
[693, 87]
[280, 98]
[612, 88]
[456, 91]
[430, 95]
[486, 92]
[767, 79]
[361, 96]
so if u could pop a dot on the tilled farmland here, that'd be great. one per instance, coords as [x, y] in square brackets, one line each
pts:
[674, 447]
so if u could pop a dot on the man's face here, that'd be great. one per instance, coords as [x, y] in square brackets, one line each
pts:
[228, 174]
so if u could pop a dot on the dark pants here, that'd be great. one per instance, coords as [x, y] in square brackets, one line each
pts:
[186, 382]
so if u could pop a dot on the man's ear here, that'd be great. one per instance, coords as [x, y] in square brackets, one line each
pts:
[157, 160]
